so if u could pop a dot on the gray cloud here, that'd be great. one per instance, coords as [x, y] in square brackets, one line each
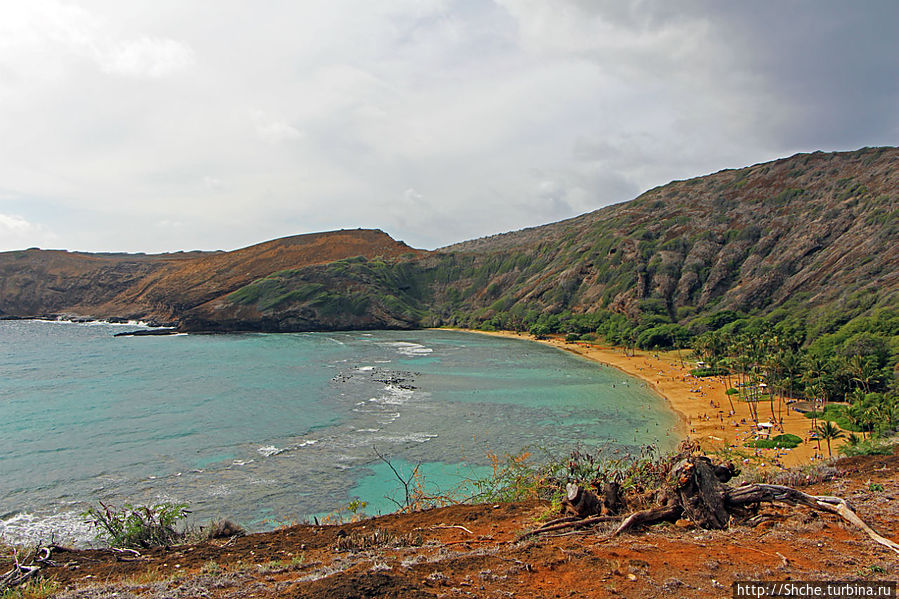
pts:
[219, 125]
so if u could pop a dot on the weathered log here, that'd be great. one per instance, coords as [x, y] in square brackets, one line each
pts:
[612, 503]
[698, 492]
[572, 523]
[583, 502]
[725, 472]
[668, 513]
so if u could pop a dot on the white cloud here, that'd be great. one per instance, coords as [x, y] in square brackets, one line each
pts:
[412, 196]
[213, 183]
[15, 224]
[273, 130]
[53, 36]
[436, 121]
[16, 233]
[145, 57]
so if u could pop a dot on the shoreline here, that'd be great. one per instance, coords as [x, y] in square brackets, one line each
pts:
[701, 404]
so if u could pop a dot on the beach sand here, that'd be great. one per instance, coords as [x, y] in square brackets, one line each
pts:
[702, 404]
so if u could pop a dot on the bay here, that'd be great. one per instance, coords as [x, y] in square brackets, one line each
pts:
[272, 429]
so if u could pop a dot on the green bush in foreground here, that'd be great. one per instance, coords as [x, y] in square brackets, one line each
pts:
[138, 526]
[518, 477]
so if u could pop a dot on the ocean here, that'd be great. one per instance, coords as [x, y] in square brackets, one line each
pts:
[269, 429]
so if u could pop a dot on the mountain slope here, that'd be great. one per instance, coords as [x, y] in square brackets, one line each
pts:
[163, 287]
[822, 224]
[814, 230]
[814, 234]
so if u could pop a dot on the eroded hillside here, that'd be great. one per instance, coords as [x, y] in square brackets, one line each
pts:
[813, 232]
[820, 231]
[163, 287]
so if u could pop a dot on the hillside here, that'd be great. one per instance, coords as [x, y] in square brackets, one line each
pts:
[822, 225]
[162, 287]
[813, 238]
[813, 235]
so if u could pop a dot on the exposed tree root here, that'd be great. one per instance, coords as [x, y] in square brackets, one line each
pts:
[757, 493]
[697, 491]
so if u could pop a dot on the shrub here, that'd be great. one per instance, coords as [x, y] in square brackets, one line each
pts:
[137, 526]
[788, 438]
[223, 529]
[36, 588]
[779, 442]
[867, 447]
[517, 477]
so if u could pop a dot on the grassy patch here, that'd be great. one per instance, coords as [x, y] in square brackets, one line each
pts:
[779, 442]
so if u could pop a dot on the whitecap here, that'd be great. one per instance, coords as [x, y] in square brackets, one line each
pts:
[409, 438]
[270, 450]
[390, 418]
[410, 349]
[395, 396]
[27, 528]
[218, 491]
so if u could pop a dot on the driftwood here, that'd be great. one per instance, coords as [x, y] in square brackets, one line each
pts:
[697, 490]
[23, 572]
[700, 488]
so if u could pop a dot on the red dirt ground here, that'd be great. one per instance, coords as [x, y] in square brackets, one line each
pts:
[475, 551]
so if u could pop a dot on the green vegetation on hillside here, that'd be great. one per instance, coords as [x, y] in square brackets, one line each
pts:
[796, 257]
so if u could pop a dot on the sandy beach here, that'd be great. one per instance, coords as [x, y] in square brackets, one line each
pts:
[702, 403]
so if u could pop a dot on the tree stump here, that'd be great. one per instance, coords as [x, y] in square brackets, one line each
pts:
[701, 493]
[581, 502]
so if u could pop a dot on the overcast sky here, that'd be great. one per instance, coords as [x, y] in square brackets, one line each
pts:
[166, 125]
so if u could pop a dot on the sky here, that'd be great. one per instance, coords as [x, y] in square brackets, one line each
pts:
[148, 126]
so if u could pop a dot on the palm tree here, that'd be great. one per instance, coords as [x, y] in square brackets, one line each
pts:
[863, 371]
[828, 431]
[791, 367]
[814, 389]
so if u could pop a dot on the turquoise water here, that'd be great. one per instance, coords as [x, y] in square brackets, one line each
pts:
[268, 429]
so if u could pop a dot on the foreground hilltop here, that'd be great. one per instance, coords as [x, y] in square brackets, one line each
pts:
[480, 551]
[814, 233]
